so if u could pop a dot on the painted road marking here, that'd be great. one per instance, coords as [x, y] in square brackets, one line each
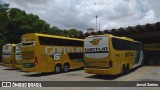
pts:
[138, 74]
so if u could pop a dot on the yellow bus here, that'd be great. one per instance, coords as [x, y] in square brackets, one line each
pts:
[18, 56]
[49, 53]
[111, 55]
[8, 56]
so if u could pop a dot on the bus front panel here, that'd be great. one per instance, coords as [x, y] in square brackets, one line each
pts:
[30, 50]
[8, 57]
[97, 55]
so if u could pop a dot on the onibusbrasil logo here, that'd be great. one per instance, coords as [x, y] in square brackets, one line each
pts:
[21, 84]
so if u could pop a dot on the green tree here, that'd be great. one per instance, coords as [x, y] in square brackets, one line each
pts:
[56, 31]
[3, 18]
[3, 26]
[15, 22]
[21, 23]
[74, 32]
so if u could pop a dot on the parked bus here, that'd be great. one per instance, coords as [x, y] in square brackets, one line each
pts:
[49, 53]
[111, 55]
[8, 56]
[18, 56]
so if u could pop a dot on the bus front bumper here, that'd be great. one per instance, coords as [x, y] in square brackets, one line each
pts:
[19, 66]
[9, 65]
[99, 71]
[29, 69]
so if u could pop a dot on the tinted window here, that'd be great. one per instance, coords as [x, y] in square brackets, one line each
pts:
[59, 42]
[120, 44]
[75, 55]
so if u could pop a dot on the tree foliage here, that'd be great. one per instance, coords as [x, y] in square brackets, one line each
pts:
[15, 22]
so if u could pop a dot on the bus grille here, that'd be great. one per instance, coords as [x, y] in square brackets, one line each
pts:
[27, 55]
[6, 61]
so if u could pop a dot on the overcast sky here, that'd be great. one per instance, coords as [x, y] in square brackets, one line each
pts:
[80, 14]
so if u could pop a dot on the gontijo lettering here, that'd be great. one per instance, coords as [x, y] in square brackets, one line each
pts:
[96, 50]
[51, 50]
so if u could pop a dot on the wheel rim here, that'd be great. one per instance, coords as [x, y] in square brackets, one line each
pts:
[66, 68]
[57, 69]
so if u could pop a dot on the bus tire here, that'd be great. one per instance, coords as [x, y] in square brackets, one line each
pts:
[58, 68]
[123, 70]
[127, 69]
[66, 67]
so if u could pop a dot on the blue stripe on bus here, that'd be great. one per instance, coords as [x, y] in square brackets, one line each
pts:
[137, 58]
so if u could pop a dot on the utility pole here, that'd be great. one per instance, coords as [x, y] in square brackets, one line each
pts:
[99, 26]
[96, 22]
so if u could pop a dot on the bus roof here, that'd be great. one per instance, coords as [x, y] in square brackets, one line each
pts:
[110, 35]
[52, 36]
[9, 44]
[19, 44]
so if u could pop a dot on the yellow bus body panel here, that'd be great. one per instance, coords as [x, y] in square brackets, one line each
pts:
[9, 61]
[46, 63]
[118, 58]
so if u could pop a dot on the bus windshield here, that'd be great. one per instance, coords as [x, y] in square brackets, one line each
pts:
[6, 50]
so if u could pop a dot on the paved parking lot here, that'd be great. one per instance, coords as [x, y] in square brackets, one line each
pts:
[145, 73]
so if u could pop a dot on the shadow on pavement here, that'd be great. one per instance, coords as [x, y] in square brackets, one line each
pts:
[50, 73]
[104, 77]
[10, 69]
[110, 77]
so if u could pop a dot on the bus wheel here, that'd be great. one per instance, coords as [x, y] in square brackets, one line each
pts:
[123, 70]
[127, 69]
[58, 68]
[66, 67]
